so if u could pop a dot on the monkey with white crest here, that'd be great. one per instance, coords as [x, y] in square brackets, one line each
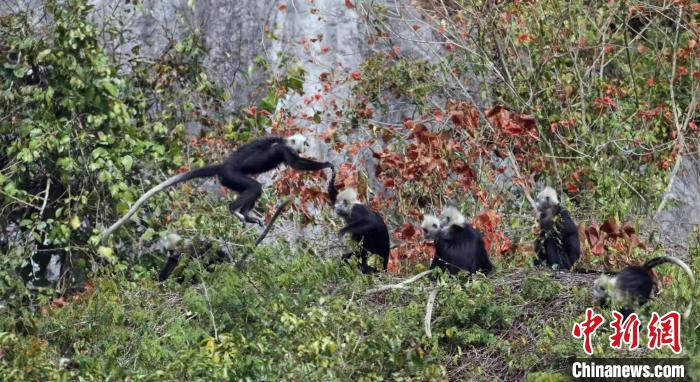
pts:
[635, 285]
[366, 227]
[558, 244]
[255, 157]
[458, 245]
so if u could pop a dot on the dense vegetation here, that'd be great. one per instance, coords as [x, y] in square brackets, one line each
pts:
[594, 95]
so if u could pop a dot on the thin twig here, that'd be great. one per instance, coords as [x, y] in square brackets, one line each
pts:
[429, 311]
[679, 128]
[264, 233]
[400, 285]
[272, 220]
[46, 195]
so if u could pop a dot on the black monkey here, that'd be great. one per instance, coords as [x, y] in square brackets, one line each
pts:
[252, 158]
[174, 246]
[367, 228]
[557, 245]
[431, 229]
[458, 245]
[635, 285]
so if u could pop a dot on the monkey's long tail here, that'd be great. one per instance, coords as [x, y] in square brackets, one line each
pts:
[669, 259]
[204, 172]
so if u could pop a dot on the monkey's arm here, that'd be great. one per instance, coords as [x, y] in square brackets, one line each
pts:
[357, 227]
[332, 191]
[299, 163]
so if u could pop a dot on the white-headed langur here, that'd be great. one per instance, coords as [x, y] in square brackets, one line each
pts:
[458, 245]
[634, 285]
[557, 245]
[366, 227]
[174, 245]
[253, 158]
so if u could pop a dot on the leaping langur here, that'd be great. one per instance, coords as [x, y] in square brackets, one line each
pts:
[557, 245]
[634, 285]
[458, 245]
[366, 227]
[253, 158]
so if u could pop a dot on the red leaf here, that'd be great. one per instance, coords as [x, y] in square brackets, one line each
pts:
[512, 128]
[438, 114]
[592, 235]
[523, 37]
[349, 4]
[611, 227]
[252, 111]
[457, 117]
[356, 75]
[58, 302]
[282, 7]
[408, 231]
[572, 188]
[416, 27]
[505, 245]
[598, 249]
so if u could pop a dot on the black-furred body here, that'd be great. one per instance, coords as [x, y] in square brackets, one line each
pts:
[635, 285]
[367, 228]
[461, 247]
[637, 282]
[253, 158]
[558, 242]
[173, 259]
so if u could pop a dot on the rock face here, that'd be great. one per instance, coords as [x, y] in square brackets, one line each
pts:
[682, 213]
[322, 36]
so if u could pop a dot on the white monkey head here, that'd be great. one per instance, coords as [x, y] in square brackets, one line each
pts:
[451, 216]
[431, 226]
[602, 288]
[345, 201]
[172, 241]
[547, 198]
[298, 142]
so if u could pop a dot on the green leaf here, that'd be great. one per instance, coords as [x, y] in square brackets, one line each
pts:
[110, 88]
[295, 84]
[107, 253]
[40, 57]
[127, 162]
[75, 222]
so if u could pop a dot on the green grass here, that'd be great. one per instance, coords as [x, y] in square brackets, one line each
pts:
[289, 317]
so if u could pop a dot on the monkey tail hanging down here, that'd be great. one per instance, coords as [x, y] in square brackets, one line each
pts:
[255, 157]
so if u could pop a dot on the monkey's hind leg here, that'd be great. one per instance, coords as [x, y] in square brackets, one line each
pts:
[250, 191]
